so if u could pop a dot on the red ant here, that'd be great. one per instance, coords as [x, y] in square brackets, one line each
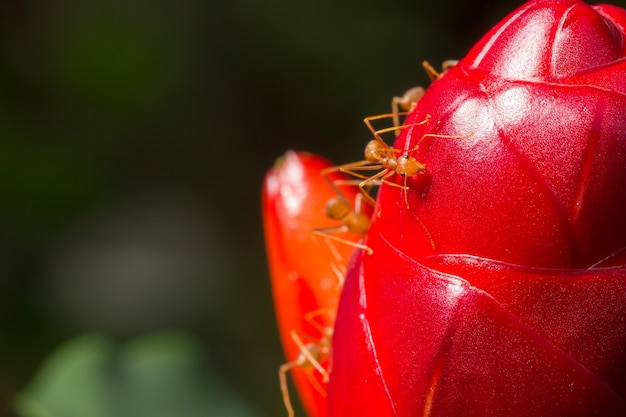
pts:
[311, 355]
[382, 158]
[353, 220]
[412, 96]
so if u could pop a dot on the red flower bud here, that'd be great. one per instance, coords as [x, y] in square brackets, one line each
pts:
[497, 283]
[306, 270]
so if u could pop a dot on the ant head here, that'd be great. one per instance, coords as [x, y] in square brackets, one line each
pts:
[407, 166]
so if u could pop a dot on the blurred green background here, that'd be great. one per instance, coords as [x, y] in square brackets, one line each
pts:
[134, 136]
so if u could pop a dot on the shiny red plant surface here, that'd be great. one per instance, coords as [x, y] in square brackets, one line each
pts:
[303, 269]
[497, 282]
[511, 300]
[539, 182]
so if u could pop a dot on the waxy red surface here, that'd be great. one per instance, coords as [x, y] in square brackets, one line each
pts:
[302, 267]
[511, 300]
[500, 288]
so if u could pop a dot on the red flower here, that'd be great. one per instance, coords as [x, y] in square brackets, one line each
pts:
[496, 285]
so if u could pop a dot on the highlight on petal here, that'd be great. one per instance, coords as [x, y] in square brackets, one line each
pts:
[548, 39]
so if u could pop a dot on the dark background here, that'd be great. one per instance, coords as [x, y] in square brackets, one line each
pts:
[134, 136]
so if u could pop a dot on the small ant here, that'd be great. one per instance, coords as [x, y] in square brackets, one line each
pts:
[412, 96]
[353, 219]
[378, 156]
[311, 355]
[407, 102]
[383, 158]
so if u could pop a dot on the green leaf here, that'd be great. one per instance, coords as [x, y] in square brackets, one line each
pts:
[159, 375]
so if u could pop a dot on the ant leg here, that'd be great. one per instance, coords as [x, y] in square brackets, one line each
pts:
[308, 351]
[406, 193]
[386, 115]
[397, 128]
[445, 66]
[340, 272]
[436, 135]
[412, 96]
[377, 133]
[352, 169]
[358, 204]
[324, 330]
[407, 102]
[318, 387]
[377, 179]
[380, 176]
[430, 71]
[422, 225]
[327, 232]
[323, 345]
[340, 209]
[448, 63]
[284, 388]
[333, 251]
[309, 357]
[348, 168]
[305, 360]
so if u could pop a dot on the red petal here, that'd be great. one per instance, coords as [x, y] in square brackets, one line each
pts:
[304, 279]
[546, 40]
[533, 172]
[458, 350]
[580, 312]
